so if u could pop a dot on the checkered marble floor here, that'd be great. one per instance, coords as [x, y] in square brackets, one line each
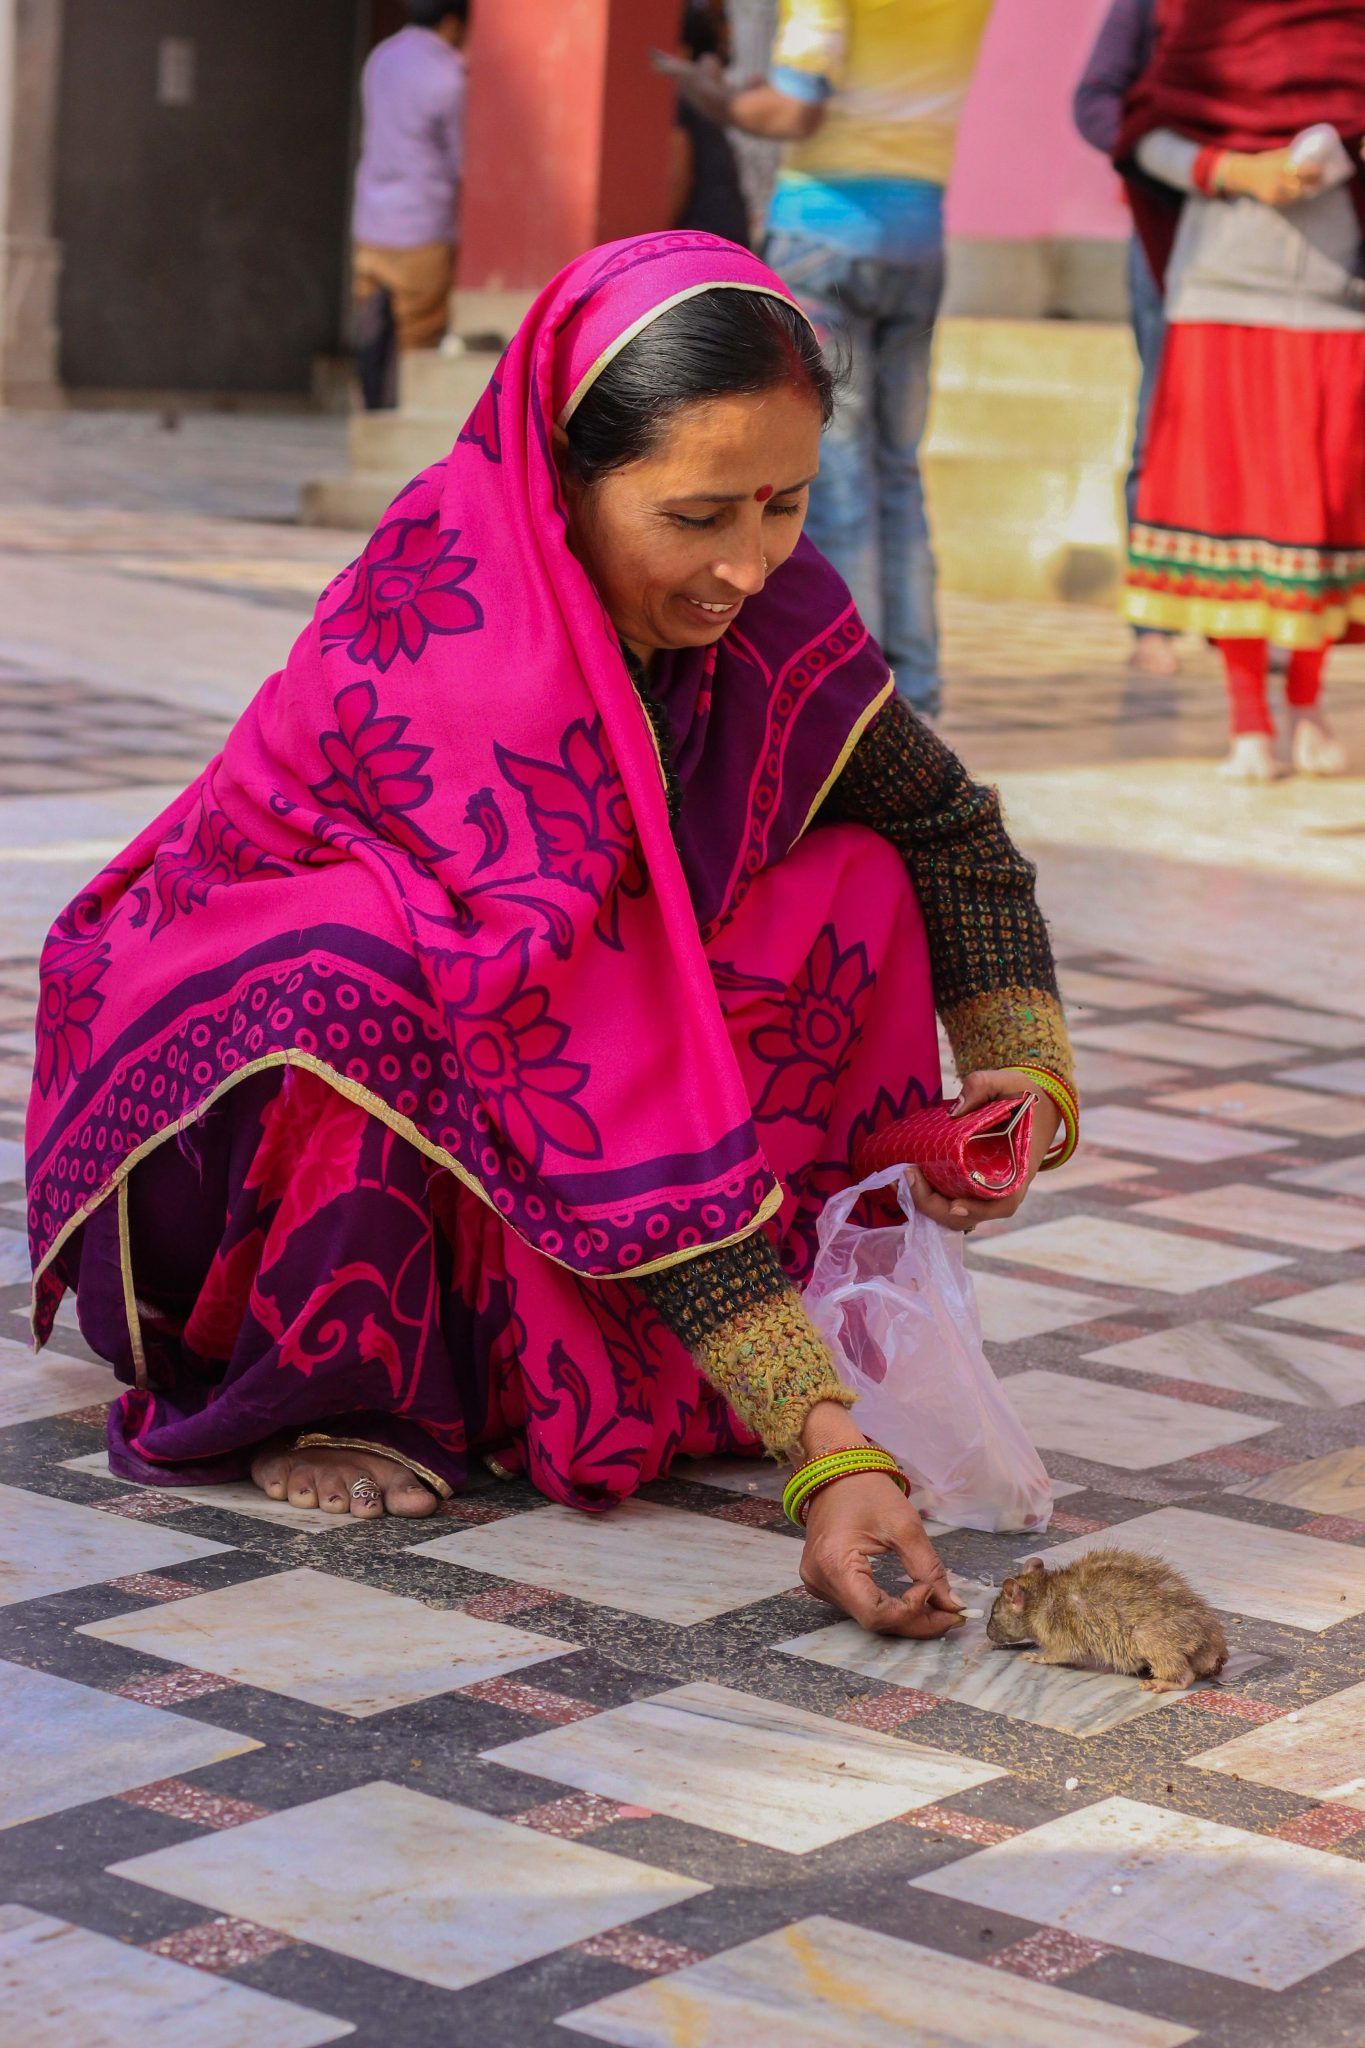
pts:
[517, 1777]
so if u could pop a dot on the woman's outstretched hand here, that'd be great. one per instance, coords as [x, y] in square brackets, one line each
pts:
[855, 1519]
[992, 1084]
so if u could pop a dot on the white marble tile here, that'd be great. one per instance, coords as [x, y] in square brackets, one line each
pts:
[1125, 1255]
[1114, 1073]
[759, 1478]
[1118, 1425]
[1189, 1140]
[412, 1884]
[15, 1264]
[49, 1546]
[1335, 1077]
[829, 1984]
[1322, 1028]
[31, 1387]
[1241, 1568]
[1320, 1754]
[1186, 1044]
[333, 1642]
[966, 1666]
[639, 1558]
[1339, 1307]
[1271, 1363]
[1333, 1484]
[1248, 1210]
[63, 1744]
[745, 1766]
[1011, 1309]
[1269, 1105]
[11, 1160]
[1338, 1177]
[1117, 992]
[1190, 1891]
[1086, 1168]
[238, 1496]
[64, 1985]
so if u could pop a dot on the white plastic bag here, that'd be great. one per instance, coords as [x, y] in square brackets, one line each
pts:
[896, 1307]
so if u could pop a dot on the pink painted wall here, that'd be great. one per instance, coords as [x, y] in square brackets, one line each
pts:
[1022, 171]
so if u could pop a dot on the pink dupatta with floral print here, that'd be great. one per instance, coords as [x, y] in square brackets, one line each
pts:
[433, 863]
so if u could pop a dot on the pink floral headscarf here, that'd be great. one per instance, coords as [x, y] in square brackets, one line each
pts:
[434, 864]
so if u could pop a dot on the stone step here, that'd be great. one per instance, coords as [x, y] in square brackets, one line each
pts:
[1065, 356]
[431, 382]
[357, 501]
[1044, 427]
[386, 442]
[1010, 528]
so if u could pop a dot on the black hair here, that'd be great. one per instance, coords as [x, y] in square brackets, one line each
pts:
[431, 13]
[701, 33]
[717, 345]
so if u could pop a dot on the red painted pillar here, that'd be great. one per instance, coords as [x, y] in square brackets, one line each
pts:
[567, 138]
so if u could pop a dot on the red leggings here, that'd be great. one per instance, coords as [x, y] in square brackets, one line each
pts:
[1247, 665]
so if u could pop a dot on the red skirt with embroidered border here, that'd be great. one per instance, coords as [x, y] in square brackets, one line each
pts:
[1251, 511]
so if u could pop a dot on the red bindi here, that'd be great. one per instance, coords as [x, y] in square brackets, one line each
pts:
[762, 497]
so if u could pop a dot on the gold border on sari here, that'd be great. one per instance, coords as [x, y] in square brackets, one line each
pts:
[864, 719]
[376, 1107]
[130, 1308]
[693, 291]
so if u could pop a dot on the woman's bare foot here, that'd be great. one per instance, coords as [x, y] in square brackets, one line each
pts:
[322, 1477]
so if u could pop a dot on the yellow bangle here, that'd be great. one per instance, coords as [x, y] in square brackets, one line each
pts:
[1057, 1091]
[816, 1473]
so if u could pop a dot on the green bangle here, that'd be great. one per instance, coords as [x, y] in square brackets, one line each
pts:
[1057, 1091]
[809, 1478]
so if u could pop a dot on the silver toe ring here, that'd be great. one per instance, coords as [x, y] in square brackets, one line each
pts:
[365, 1491]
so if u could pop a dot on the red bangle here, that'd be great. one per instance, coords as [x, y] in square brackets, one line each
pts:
[1206, 172]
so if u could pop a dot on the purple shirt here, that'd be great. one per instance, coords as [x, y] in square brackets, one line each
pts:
[1119, 58]
[407, 182]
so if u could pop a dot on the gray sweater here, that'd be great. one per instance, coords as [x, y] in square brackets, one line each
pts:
[1239, 263]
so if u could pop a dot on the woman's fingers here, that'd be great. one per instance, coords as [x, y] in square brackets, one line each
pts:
[954, 1214]
[924, 1565]
[929, 1201]
[849, 1584]
[988, 1084]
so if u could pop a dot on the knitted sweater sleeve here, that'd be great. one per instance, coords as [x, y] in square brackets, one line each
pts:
[995, 984]
[744, 1324]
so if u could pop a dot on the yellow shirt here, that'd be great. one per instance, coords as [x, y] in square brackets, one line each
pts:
[895, 75]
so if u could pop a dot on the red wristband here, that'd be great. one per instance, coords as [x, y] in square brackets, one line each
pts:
[1206, 171]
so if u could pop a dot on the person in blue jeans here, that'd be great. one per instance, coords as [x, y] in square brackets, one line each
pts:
[1121, 54]
[870, 93]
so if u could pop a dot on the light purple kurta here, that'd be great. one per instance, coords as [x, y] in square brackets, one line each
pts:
[408, 178]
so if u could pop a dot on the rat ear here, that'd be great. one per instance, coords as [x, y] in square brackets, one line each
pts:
[1012, 1593]
[1032, 1564]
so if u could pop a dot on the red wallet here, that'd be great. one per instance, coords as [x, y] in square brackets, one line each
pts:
[983, 1155]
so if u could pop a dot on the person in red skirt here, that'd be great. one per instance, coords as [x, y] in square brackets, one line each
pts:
[1241, 145]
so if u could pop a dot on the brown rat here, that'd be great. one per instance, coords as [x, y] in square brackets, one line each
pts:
[1114, 1610]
